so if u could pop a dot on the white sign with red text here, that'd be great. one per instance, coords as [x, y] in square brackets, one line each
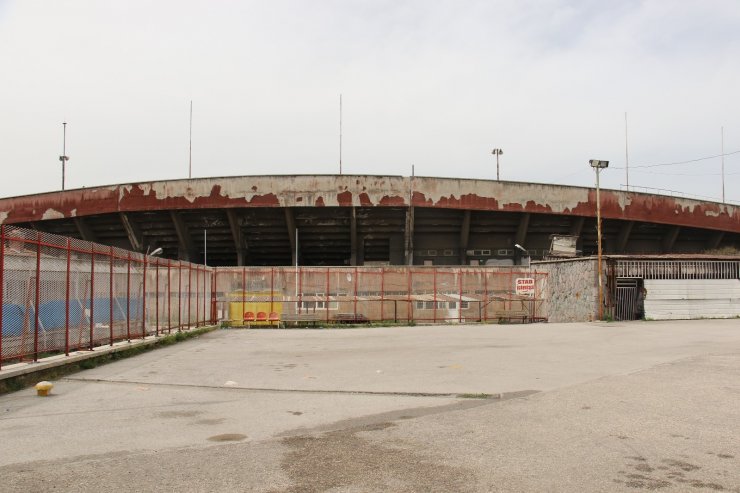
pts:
[525, 286]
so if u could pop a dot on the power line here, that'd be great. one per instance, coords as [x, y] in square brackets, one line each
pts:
[685, 174]
[680, 162]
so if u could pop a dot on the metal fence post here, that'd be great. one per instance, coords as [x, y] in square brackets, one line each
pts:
[143, 301]
[214, 294]
[197, 298]
[272, 289]
[300, 290]
[357, 275]
[382, 293]
[326, 296]
[66, 298]
[485, 296]
[244, 293]
[459, 301]
[190, 290]
[169, 297]
[111, 296]
[128, 297]
[434, 296]
[156, 300]
[2, 287]
[92, 295]
[409, 305]
[37, 299]
[179, 295]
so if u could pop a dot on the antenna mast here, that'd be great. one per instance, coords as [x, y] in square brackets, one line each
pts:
[723, 163]
[626, 153]
[190, 149]
[340, 134]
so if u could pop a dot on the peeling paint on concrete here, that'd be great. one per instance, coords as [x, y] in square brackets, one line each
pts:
[370, 191]
[3, 217]
[52, 214]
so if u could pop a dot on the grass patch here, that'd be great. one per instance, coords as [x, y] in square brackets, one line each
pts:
[474, 396]
[29, 379]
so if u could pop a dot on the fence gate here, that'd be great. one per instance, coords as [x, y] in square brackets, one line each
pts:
[627, 299]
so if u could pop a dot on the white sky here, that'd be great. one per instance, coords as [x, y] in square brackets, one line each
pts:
[436, 84]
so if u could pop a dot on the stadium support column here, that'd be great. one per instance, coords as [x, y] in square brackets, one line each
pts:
[290, 224]
[133, 231]
[353, 236]
[669, 240]
[84, 229]
[409, 236]
[576, 228]
[236, 234]
[185, 242]
[624, 236]
[521, 233]
[464, 237]
[715, 240]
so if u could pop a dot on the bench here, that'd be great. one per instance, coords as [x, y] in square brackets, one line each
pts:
[521, 316]
[350, 318]
[296, 319]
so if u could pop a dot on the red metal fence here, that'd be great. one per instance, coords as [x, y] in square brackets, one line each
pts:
[382, 294]
[61, 294]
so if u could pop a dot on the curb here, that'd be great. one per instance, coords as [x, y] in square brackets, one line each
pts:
[21, 375]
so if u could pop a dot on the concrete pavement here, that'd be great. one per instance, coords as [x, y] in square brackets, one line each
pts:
[591, 407]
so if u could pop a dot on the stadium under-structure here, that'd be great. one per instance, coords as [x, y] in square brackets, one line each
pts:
[348, 220]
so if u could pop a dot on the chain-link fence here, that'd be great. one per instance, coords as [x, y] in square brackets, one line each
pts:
[309, 295]
[61, 294]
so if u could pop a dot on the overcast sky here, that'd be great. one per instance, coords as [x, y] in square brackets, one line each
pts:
[437, 84]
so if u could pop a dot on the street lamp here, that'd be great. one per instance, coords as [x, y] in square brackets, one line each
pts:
[157, 251]
[497, 153]
[598, 165]
[524, 251]
[64, 158]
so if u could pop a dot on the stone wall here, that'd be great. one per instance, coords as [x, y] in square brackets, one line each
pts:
[570, 293]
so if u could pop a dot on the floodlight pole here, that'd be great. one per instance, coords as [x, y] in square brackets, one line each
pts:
[598, 241]
[497, 152]
[598, 165]
[64, 158]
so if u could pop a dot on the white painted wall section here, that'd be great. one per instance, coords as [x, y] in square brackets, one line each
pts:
[674, 299]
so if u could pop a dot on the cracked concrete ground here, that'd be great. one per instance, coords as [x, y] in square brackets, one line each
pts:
[547, 407]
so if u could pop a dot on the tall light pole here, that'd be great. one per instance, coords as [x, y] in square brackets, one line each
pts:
[598, 166]
[497, 152]
[64, 158]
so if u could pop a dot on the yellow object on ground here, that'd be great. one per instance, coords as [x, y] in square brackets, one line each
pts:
[43, 388]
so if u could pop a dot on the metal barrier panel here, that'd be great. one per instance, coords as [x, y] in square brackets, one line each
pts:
[245, 295]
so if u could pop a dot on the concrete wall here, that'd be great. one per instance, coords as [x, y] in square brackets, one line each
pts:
[571, 293]
[367, 191]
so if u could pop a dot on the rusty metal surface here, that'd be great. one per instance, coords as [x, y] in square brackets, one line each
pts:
[368, 191]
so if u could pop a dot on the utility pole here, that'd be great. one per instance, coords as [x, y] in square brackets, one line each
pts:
[340, 134]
